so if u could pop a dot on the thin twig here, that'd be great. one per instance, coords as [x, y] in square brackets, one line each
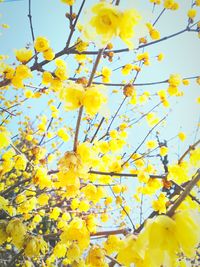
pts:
[188, 150]
[97, 130]
[48, 127]
[5, 110]
[144, 140]
[138, 84]
[159, 16]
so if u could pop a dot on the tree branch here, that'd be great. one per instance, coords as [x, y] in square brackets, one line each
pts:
[184, 194]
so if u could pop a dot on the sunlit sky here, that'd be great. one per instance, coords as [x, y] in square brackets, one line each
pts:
[181, 56]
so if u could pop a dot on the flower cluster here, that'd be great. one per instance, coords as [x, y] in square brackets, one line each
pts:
[75, 95]
[109, 21]
[161, 240]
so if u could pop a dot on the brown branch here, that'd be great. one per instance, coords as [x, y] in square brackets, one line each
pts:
[124, 231]
[30, 21]
[124, 174]
[181, 188]
[97, 130]
[184, 194]
[113, 260]
[78, 123]
[188, 150]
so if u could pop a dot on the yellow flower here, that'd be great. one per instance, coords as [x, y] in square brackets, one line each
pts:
[84, 150]
[89, 191]
[43, 199]
[76, 231]
[128, 20]
[104, 21]
[46, 77]
[23, 55]
[4, 137]
[171, 4]
[113, 244]
[49, 54]
[28, 94]
[144, 57]
[174, 80]
[16, 230]
[68, 2]
[192, 13]
[55, 213]
[3, 203]
[62, 133]
[178, 173]
[106, 73]
[127, 69]
[5, 26]
[20, 162]
[155, 35]
[151, 144]
[59, 250]
[160, 57]
[182, 136]
[73, 252]
[93, 100]
[81, 45]
[152, 119]
[129, 253]
[23, 72]
[41, 178]
[187, 231]
[96, 257]
[160, 204]
[129, 90]
[198, 100]
[3, 233]
[72, 95]
[41, 44]
[143, 176]
[117, 189]
[84, 206]
[163, 150]
[9, 72]
[185, 82]
[157, 2]
[61, 73]
[195, 157]
[34, 245]
[197, 2]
